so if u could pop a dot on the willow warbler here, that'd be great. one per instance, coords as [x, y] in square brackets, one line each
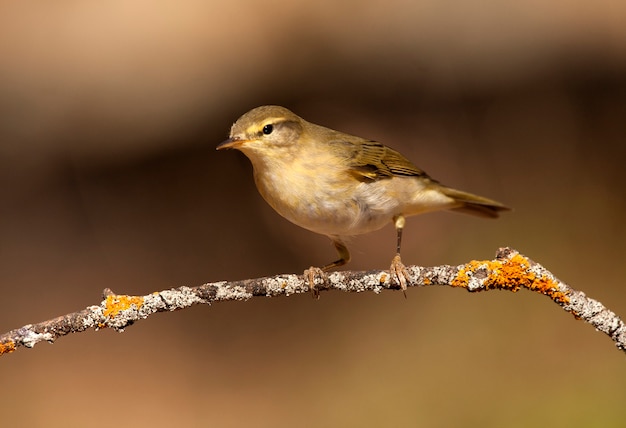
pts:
[340, 185]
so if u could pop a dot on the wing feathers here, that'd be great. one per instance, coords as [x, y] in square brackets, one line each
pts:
[371, 160]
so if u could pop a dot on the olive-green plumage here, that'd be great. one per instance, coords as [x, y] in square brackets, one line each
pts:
[340, 185]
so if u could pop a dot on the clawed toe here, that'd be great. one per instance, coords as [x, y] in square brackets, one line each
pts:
[399, 274]
[312, 274]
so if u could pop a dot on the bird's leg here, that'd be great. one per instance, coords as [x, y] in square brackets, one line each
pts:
[315, 272]
[397, 270]
[342, 251]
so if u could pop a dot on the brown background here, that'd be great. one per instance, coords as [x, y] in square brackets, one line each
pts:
[109, 117]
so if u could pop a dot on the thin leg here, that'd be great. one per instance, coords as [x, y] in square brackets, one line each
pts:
[313, 272]
[397, 270]
[399, 224]
[342, 251]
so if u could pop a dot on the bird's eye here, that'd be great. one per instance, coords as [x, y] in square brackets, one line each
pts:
[267, 129]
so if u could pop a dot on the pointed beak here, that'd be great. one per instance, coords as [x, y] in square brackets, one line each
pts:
[231, 143]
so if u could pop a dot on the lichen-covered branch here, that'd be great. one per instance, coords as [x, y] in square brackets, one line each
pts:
[508, 271]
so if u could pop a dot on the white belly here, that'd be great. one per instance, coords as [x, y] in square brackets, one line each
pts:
[334, 206]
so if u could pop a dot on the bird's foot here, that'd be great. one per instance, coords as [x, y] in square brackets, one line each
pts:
[311, 275]
[398, 273]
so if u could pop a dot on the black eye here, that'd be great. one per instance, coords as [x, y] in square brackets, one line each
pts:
[267, 129]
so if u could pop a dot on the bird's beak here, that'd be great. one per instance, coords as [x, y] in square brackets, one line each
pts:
[231, 143]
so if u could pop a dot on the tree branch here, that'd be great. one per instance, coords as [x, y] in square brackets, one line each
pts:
[508, 271]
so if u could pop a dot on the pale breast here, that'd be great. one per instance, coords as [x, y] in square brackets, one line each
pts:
[316, 193]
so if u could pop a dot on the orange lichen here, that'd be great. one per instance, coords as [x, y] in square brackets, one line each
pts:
[510, 274]
[426, 281]
[114, 304]
[7, 347]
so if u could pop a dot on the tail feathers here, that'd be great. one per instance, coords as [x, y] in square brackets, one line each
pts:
[475, 205]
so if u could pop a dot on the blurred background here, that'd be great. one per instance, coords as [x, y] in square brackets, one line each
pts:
[110, 113]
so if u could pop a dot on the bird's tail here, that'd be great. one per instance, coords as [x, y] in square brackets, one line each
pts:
[473, 204]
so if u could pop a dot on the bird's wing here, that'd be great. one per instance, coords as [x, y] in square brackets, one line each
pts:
[370, 160]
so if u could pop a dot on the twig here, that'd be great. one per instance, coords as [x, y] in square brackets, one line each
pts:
[508, 271]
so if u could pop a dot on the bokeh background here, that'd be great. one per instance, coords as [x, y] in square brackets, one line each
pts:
[109, 117]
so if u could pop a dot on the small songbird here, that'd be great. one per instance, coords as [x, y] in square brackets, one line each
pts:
[340, 185]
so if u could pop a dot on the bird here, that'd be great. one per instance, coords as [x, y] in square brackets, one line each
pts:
[341, 185]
